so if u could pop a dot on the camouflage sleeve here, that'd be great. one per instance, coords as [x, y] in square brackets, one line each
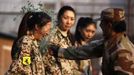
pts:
[21, 66]
[90, 50]
[25, 55]
[54, 39]
[124, 65]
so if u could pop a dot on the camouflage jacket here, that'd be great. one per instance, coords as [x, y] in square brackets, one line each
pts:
[118, 55]
[84, 66]
[58, 66]
[29, 61]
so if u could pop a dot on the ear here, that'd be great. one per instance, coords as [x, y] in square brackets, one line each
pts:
[36, 27]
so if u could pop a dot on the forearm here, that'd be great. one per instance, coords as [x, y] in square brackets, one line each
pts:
[81, 53]
[73, 53]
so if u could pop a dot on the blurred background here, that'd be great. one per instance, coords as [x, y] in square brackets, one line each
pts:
[11, 15]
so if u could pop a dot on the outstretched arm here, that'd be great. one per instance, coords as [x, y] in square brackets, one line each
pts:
[91, 50]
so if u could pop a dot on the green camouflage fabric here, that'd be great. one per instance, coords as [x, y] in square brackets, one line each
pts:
[30, 60]
[118, 55]
[58, 66]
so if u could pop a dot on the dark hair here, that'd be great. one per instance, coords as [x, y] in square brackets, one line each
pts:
[38, 18]
[23, 25]
[119, 26]
[83, 22]
[62, 11]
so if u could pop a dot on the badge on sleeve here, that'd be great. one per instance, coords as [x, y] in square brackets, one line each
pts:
[26, 60]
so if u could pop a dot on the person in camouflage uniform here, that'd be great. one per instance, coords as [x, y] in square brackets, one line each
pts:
[62, 37]
[118, 50]
[29, 60]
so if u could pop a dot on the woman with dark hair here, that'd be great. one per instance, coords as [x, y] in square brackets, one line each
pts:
[85, 30]
[84, 25]
[29, 60]
[62, 37]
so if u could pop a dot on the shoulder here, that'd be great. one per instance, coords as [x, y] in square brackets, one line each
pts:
[56, 35]
[125, 47]
[25, 41]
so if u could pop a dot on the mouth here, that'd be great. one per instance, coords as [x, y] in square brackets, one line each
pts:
[88, 38]
[68, 26]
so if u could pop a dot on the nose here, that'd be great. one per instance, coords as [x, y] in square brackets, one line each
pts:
[90, 35]
[68, 21]
[47, 32]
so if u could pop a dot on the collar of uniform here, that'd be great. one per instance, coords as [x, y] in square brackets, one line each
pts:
[115, 40]
[35, 42]
[62, 32]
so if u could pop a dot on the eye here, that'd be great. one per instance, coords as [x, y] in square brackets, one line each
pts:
[72, 19]
[65, 17]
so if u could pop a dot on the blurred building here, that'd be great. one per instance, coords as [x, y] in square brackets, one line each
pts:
[10, 17]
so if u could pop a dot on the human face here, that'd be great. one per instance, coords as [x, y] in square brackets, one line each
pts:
[88, 32]
[106, 28]
[44, 31]
[67, 20]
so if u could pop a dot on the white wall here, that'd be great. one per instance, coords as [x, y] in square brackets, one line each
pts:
[91, 8]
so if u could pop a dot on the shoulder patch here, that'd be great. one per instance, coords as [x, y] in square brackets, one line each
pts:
[26, 60]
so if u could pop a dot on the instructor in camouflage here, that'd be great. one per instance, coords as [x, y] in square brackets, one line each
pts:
[116, 49]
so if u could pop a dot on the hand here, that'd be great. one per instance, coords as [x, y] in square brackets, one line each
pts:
[54, 50]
